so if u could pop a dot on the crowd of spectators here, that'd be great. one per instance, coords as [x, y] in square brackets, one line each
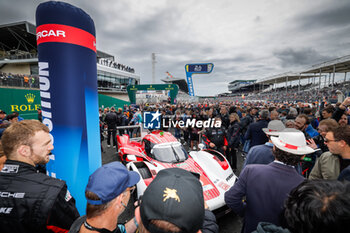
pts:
[19, 80]
[306, 144]
[307, 93]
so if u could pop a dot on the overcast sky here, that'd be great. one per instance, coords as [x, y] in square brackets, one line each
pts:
[249, 39]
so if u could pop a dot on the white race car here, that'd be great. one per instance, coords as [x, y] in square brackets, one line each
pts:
[160, 150]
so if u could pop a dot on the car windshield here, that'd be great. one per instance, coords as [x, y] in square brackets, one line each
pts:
[170, 152]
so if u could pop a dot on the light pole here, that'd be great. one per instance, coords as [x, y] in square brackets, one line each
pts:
[153, 68]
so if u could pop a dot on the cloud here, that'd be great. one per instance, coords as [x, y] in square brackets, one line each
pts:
[257, 19]
[335, 14]
[291, 57]
[250, 39]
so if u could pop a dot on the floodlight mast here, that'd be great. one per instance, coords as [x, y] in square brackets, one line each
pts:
[154, 68]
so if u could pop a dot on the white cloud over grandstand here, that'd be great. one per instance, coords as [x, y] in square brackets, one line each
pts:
[249, 39]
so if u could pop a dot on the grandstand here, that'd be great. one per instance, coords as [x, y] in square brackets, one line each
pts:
[310, 85]
[241, 85]
[19, 79]
[19, 60]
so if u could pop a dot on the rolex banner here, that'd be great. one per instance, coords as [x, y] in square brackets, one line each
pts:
[68, 90]
[25, 102]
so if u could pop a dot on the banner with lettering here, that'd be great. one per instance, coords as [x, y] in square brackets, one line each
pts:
[68, 89]
[24, 101]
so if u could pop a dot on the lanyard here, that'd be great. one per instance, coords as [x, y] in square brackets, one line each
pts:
[101, 230]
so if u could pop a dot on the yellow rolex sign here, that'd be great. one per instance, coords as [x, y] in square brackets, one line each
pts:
[30, 98]
[25, 102]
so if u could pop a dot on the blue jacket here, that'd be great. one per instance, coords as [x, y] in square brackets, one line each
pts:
[260, 154]
[265, 187]
[311, 131]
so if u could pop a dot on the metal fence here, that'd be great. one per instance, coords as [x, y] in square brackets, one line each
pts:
[9, 80]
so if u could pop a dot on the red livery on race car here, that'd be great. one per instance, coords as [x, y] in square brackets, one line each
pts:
[160, 150]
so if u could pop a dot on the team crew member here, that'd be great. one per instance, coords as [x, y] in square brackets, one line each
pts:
[31, 201]
[215, 138]
[107, 193]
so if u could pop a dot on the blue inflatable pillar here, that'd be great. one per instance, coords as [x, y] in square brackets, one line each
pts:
[68, 89]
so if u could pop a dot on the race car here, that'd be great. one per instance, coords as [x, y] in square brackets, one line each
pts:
[160, 150]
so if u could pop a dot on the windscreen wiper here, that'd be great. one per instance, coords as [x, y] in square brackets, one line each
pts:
[176, 156]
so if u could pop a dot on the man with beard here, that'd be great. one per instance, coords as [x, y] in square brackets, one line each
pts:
[343, 120]
[31, 201]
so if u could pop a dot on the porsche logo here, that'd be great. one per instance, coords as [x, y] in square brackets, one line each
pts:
[170, 193]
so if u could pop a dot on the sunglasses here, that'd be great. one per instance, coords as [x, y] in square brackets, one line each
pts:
[132, 189]
[328, 141]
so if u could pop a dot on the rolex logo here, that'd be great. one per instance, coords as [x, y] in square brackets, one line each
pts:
[30, 98]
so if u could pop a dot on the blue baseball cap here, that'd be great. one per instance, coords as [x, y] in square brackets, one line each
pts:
[109, 181]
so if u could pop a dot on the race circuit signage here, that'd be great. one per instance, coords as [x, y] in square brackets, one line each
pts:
[201, 68]
[132, 89]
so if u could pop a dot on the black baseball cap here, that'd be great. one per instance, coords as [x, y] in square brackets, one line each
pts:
[175, 196]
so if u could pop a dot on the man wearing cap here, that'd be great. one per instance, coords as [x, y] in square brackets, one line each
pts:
[266, 187]
[107, 193]
[262, 154]
[174, 202]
